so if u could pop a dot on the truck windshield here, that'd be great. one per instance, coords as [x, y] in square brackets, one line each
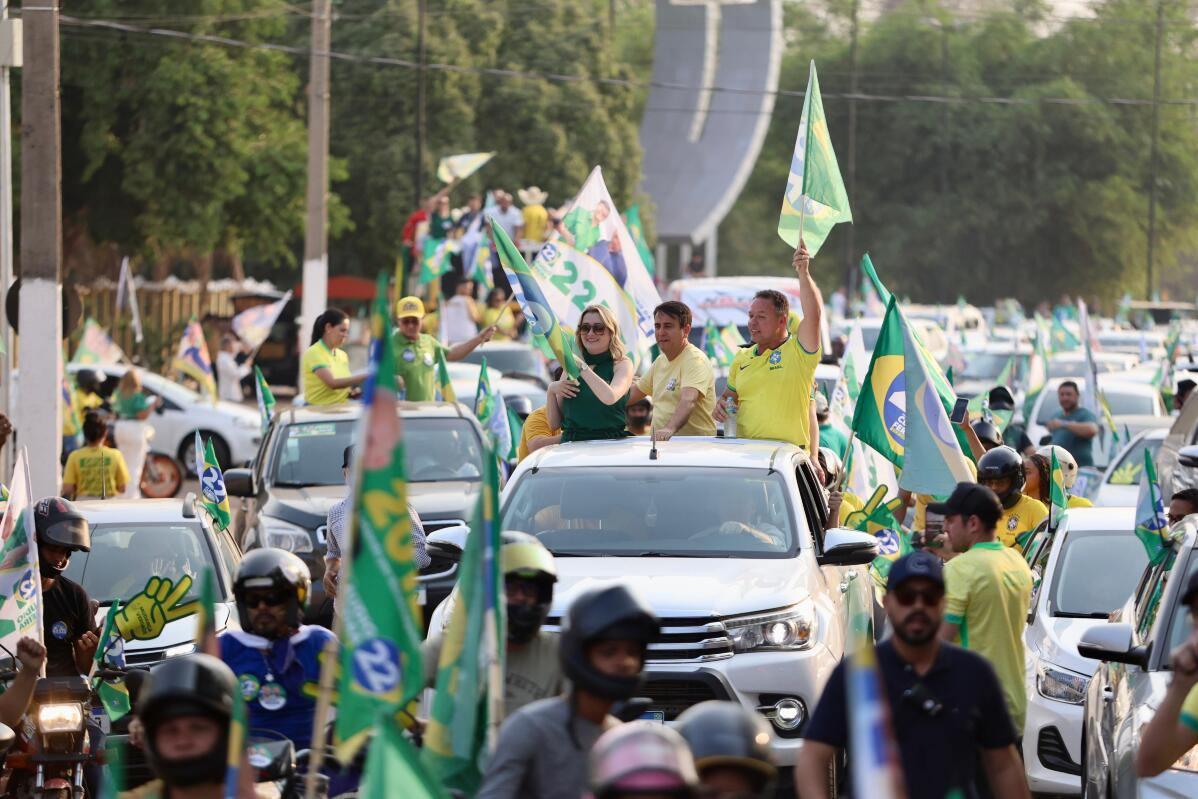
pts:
[644, 511]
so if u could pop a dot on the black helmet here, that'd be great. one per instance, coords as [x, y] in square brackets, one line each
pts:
[274, 570]
[59, 523]
[1002, 463]
[188, 685]
[88, 380]
[604, 614]
[987, 433]
[523, 556]
[728, 735]
[1001, 399]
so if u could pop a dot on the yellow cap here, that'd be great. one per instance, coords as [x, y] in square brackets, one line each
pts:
[409, 306]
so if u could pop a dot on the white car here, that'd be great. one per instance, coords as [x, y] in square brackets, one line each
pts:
[1136, 405]
[134, 540]
[1083, 572]
[725, 540]
[1121, 483]
[464, 377]
[235, 430]
[983, 365]
[960, 323]
[929, 332]
[1069, 364]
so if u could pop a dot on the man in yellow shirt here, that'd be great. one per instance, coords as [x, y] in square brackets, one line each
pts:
[94, 470]
[1173, 730]
[773, 382]
[681, 381]
[536, 433]
[1001, 470]
[536, 218]
[989, 589]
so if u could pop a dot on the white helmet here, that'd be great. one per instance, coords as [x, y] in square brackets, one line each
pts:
[1067, 461]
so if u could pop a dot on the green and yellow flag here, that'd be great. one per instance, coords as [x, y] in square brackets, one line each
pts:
[206, 616]
[381, 628]
[212, 483]
[114, 694]
[394, 767]
[1152, 525]
[443, 381]
[636, 229]
[815, 199]
[434, 259]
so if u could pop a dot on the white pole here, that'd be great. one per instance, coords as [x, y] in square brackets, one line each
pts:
[11, 58]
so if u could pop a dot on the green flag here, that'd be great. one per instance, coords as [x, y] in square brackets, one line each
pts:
[1062, 338]
[213, 496]
[867, 266]
[266, 400]
[466, 704]
[517, 427]
[1152, 526]
[815, 199]
[381, 629]
[880, 418]
[393, 767]
[434, 259]
[206, 616]
[637, 230]
[114, 694]
[445, 384]
[1058, 500]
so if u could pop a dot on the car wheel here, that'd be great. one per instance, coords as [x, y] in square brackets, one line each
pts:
[187, 451]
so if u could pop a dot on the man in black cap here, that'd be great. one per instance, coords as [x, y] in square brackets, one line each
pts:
[989, 590]
[1173, 730]
[946, 704]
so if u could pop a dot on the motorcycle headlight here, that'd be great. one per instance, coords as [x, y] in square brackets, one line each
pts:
[285, 535]
[789, 629]
[60, 717]
[1060, 685]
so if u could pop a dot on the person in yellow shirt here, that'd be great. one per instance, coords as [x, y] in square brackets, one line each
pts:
[988, 590]
[681, 381]
[1173, 729]
[94, 470]
[496, 313]
[772, 382]
[1001, 470]
[324, 369]
[536, 433]
[536, 218]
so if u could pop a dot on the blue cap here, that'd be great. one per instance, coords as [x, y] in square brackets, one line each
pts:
[916, 564]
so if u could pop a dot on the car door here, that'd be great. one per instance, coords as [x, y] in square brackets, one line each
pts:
[834, 582]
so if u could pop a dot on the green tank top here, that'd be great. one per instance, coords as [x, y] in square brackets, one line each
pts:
[585, 417]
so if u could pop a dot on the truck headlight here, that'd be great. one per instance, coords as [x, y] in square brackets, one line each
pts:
[60, 717]
[789, 629]
[284, 535]
[1060, 685]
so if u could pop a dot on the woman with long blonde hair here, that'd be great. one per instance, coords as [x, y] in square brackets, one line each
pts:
[132, 432]
[593, 409]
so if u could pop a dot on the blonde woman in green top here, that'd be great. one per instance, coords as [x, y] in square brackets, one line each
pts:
[593, 409]
[132, 432]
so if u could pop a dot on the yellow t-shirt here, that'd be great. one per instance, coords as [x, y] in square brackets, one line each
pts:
[774, 391]
[1189, 709]
[1079, 502]
[1021, 518]
[507, 322]
[664, 383]
[988, 591]
[96, 471]
[537, 424]
[319, 356]
[536, 219]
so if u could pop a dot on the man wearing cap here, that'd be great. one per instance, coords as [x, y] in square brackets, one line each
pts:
[1173, 730]
[989, 589]
[416, 352]
[946, 704]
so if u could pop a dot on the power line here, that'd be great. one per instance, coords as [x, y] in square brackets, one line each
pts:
[225, 41]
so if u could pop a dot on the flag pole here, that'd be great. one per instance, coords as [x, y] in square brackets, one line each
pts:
[844, 473]
[324, 703]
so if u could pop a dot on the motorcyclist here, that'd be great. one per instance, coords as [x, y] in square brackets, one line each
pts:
[1068, 466]
[1001, 470]
[543, 747]
[532, 670]
[642, 759]
[69, 627]
[731, 748]
[275, 657]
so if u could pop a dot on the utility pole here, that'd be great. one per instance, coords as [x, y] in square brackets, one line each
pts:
[39, 413]
[418, 167]
[10, 58]
[945, 121]
[1153, 155]
[850, 246]
[316, 237]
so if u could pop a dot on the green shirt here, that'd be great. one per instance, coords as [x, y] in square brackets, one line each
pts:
[834, 438]
[129, 407]
[1082, 449]
[416, 363]
[585, 417]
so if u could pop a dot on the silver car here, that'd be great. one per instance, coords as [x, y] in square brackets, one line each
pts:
[1132, 678]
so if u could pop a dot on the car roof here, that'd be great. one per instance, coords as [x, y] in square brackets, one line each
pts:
[352, 410]
[125, 511]
[700, 452]
[1102, 520]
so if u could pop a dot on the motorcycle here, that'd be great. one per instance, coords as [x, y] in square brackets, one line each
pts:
[161, 476]
[52, 745]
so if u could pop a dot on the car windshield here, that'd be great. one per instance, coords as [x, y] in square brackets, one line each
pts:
[1181, 625]
[1131, 462]
[984, 365]
[509, 360]
[124, 556]
[1122, 404]
[1095, 574]
[311, 453]
[643, 511]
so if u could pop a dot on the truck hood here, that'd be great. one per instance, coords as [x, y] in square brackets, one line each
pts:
[688, 587]
[309, 506]
[177, 632]
[1057, 643]
[444, 499]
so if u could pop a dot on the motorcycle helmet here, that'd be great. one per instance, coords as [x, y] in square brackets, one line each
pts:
[987, 433]
[604, 614]
[188, 685]
[59, 523]
[88, 380]
[273, 570]
[727, 735]
[523, 556]
[1003, 463]
[1065, 459]
[642, 757]
[831, 464]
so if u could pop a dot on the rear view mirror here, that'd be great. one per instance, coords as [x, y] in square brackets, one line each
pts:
[239, 483]
[453, 537]
[1112, 643]
[844, 547]
[1188, 457]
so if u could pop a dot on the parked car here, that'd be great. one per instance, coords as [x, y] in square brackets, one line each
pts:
[525, 396]
[726, 541]
[1068, 364]
[960, 323]
[296, 477]
[983, 365]
[134, 540]
[1084, 571]
[513, 359]
[1121, 482]
[1132, 679]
